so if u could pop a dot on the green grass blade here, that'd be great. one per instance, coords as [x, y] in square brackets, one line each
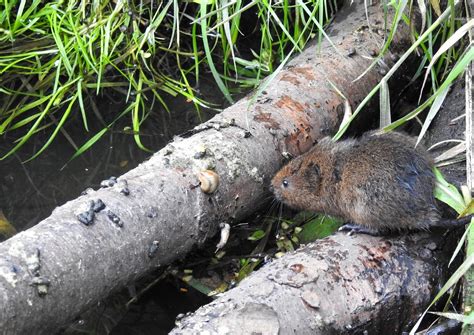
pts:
[56, 130]
[423, 13]
[455, 316]
[81, 104]
[456, 37]
[434, 109]
[448, 193]
[39, 119]
[25, 108]
[317, 24]
[55, 26]
[460, 243]
[86, 146]
[210, 62]
[282, 27]
[395, 67]
[455, 72]
[135, 115]
[451, 282]
[270, 78]
[385, 113]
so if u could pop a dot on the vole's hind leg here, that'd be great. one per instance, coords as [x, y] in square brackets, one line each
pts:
[353, 228]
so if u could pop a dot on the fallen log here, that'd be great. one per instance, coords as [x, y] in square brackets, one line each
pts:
[157, 212]
[338, 285]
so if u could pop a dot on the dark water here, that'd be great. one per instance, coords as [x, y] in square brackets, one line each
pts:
[154, 312]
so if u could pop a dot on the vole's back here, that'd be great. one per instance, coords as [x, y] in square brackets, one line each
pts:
[379, 181]
[388, 184]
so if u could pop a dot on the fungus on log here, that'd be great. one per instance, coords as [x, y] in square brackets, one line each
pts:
[157, 212]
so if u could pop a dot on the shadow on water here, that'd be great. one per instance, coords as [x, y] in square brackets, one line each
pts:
[30, 191]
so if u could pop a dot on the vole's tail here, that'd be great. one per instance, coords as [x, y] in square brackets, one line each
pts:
[452, 223]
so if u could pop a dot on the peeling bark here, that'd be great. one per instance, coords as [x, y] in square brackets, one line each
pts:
[60, 267]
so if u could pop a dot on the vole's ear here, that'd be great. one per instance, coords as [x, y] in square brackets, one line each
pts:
[317, 169]
[313, 170]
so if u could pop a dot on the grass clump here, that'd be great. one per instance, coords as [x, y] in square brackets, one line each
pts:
[434, 44]
[57, 57]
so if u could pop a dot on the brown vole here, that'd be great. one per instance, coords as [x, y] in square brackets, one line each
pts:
[378, 183]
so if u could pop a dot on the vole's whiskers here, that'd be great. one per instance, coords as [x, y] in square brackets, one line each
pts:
[280, 215]
[271, 208]
[268, 197]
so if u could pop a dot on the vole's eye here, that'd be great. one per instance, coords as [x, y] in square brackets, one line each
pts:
[285, 183]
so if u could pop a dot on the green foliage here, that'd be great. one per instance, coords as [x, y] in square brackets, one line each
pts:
[56, 56]
[257, 235]
[453, 280]
[445, 66]
[450, 195]
[318, 227]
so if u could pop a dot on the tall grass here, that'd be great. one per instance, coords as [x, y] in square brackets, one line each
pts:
[57, 56]
[446, 29]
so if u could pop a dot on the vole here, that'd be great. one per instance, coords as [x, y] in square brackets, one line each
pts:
[378, 183]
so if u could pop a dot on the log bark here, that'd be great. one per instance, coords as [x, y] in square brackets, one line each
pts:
[156, 213]
[338, 285]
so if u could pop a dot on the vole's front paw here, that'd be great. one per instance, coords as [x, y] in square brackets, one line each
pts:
[353, 228]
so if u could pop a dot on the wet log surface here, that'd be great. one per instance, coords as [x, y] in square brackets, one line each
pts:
[339, 285]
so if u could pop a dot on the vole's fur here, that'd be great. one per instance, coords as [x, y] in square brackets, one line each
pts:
[379, 182]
